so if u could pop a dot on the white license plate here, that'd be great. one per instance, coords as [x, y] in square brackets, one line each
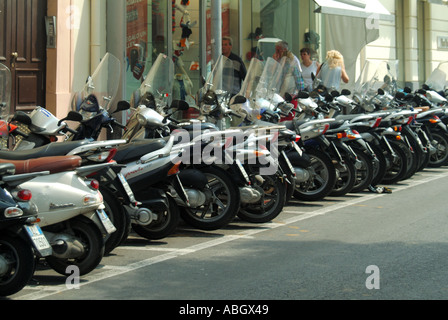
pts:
[126, 187]
[39, 240]
[107, 224]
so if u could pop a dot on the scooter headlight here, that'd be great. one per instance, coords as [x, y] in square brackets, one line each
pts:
[207, 108]
[142, 120]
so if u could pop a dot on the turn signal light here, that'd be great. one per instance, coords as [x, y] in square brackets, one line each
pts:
[174, 169]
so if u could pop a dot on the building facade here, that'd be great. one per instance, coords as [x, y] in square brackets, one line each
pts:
[76, 34]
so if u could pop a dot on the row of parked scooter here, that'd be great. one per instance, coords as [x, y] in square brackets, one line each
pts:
[72, 202]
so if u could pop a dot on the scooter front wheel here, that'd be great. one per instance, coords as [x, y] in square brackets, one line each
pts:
[17, 261]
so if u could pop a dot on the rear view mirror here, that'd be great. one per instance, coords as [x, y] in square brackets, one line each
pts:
[21, 117]
[180, 105]
[123, 105]
[239, 100]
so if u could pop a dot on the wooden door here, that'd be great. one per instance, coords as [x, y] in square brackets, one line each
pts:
[23, 49]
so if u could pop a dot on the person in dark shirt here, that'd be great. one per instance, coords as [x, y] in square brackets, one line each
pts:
[240, 70]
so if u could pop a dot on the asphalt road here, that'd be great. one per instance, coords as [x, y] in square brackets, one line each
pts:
[360, 247]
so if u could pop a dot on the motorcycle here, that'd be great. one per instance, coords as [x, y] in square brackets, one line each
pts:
[21, 238]
[71, 210]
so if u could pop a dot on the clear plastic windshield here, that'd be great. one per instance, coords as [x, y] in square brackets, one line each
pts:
[103, 83]
[5, 92]
[222, 78]
[253, 77]
[160, 79]
[377, 75]
[437, 81]
[270, 81]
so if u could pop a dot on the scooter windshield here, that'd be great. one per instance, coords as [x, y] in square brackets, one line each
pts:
[437, 81]
[253, 76]
[267, 92]
[159, 81]
[103, 83]
[377, 75]
[222, 79]
[5, 92]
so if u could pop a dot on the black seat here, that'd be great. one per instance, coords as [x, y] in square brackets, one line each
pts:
[136, 149]
[336, 124]
[50, 150]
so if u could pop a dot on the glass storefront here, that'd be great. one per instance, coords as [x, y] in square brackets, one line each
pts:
[146, 37]
[183, 28]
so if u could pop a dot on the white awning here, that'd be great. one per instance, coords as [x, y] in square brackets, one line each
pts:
[355, 8]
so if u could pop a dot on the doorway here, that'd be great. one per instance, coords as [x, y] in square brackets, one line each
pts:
[23, 50]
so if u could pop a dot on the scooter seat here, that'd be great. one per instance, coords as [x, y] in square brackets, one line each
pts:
[51, 164]
[291, 125]
[50, 150]
[134, 150]
[336, 124]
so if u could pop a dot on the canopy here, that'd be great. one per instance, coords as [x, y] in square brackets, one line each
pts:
[355, 8]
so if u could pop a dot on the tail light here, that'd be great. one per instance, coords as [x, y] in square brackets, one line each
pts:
[94, 184]
[24, 195]
[377, 123]
[297, 139]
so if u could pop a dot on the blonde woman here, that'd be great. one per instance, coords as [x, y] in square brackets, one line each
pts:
[332, 71]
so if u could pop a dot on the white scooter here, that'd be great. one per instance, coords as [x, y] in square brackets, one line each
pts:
[71, 211]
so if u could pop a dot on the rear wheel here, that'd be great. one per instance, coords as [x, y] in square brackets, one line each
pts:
[166, 223]
[364, 175]
[16, 264]
[379, 167]
[397, 164]
[346, 178]
[270, 205]
[221, 206]
[322, 180]
[440, 157]
[91, 238]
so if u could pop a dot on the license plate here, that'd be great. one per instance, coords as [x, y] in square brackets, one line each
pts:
[126, 187]
[107, 224]
[39, 240]
[291, 168]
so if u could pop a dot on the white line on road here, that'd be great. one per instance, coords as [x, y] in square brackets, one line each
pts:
[110, 272]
